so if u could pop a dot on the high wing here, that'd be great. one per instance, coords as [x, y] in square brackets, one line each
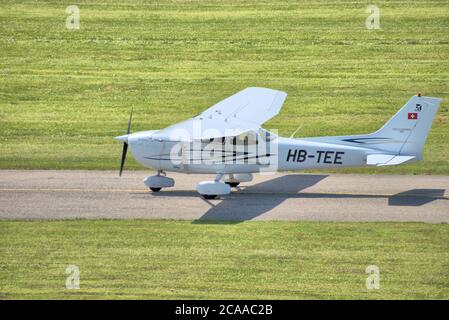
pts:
[253, 105]
[242, 112]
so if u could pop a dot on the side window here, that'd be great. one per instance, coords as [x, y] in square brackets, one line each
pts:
[246, 139]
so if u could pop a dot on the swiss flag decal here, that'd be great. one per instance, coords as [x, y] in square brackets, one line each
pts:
[413, 116]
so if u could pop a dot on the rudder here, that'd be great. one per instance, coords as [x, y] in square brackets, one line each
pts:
[406, 132]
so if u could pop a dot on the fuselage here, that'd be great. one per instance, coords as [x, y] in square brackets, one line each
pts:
[229, 156]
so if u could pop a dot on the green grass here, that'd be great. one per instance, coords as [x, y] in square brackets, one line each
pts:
[65, 94]
[187, 260]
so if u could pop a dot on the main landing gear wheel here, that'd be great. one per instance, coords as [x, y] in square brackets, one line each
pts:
[233, 184]
[234, 179]
[155, 189]
[212, 189]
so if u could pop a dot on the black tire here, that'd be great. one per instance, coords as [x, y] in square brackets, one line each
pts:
[233, 184]
[209, 196]
[155, 189]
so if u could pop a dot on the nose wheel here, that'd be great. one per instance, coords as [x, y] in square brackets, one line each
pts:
[159, 181]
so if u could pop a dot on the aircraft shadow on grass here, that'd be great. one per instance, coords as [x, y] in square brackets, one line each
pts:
[263, 197]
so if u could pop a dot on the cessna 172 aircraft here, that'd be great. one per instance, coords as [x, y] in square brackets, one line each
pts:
[228, 140]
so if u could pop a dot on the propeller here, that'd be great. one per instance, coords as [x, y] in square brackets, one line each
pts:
[125, 143]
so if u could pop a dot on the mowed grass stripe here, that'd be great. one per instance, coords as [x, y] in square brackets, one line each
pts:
[65, 95]
[252, 260]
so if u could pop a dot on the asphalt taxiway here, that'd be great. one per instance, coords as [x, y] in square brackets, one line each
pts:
[59, 194]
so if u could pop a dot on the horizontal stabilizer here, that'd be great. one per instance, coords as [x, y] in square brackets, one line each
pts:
[386, 159]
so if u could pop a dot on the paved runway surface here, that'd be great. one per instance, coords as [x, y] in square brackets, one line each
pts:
[102, 194]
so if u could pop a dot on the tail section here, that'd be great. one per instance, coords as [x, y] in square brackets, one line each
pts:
[401, 139]
[406, 132]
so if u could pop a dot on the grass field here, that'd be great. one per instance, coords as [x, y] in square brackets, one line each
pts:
[261, 260]
[65, 94]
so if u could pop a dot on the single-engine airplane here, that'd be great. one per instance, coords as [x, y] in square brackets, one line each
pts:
[227, 140]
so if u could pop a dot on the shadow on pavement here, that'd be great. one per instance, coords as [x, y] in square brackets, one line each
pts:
[415, 197]
[254, 200]
[234, 210]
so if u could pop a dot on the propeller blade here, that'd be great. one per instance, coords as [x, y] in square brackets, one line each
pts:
[122, 163]
[125, 144]
[129, 122]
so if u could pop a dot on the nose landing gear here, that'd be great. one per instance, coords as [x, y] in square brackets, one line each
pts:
[159, 181]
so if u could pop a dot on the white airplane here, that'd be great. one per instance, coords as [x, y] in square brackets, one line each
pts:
[228, 140]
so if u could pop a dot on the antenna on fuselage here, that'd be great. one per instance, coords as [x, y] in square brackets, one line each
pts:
[296, 131]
